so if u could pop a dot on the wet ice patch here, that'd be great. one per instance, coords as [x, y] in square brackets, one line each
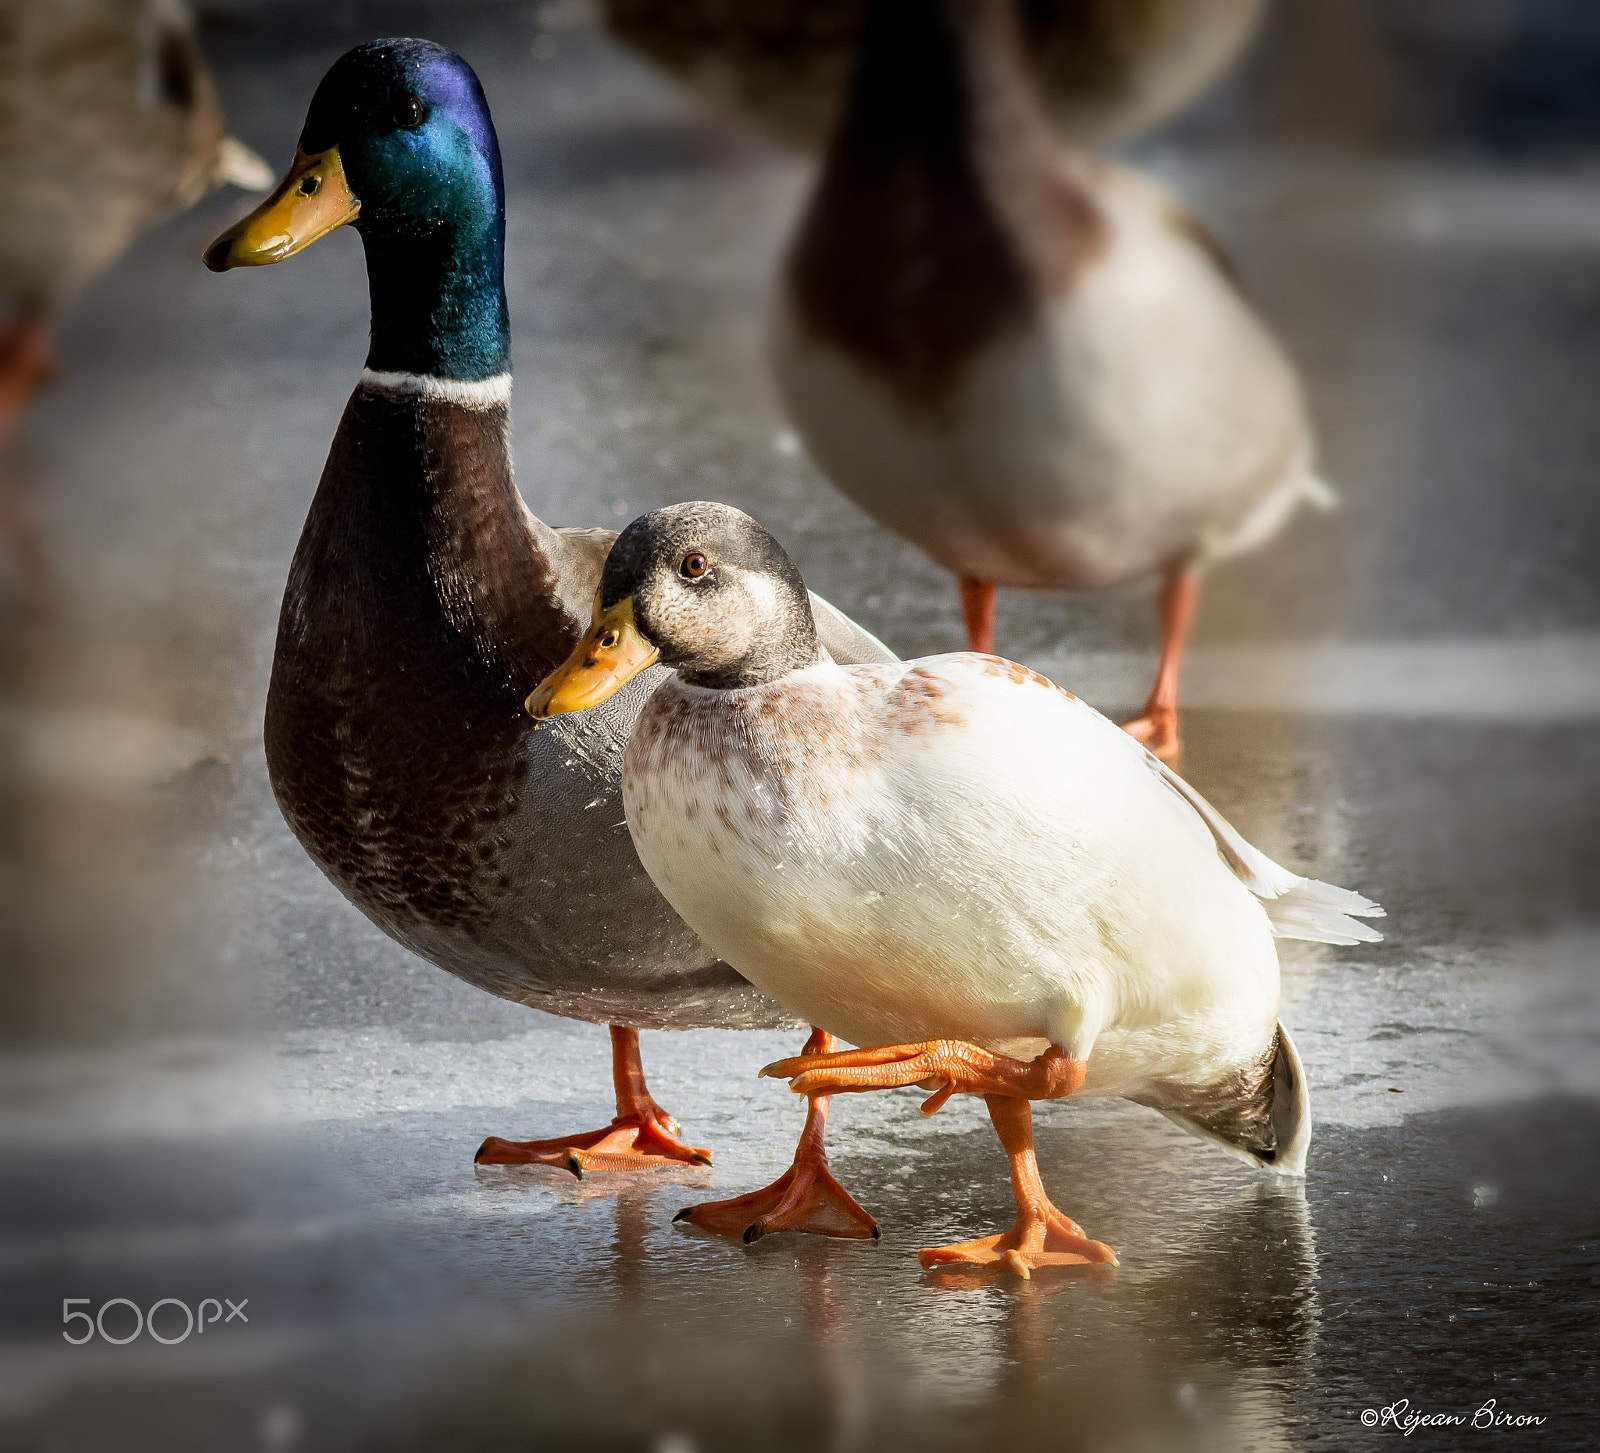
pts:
[1552, 678]
[1448, 1028]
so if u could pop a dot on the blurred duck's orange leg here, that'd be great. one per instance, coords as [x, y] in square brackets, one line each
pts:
[977, 610]
[805, 1197]
[1157, 725]
[641, 1136]
[26, 365]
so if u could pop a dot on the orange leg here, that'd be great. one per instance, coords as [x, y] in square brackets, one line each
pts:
[805, 1197]
[1157, 725]
[26, 365]
[641, 1136]
[977, 610]
[1043, 1236]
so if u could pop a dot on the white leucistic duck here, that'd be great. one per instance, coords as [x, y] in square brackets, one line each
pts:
[949, 861]
[1033, 365]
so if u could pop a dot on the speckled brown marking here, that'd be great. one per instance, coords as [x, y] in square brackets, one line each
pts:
[946, 216]
[802, 741]
[1237, 1108]
[1021, 675]
[920, 701]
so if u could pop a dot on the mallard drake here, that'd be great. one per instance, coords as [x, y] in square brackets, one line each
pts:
[950, 861]
[109, 121]
[423, 597]
[1033, 365]
[1107, 68]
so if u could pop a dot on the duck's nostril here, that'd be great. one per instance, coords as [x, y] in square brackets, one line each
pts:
[309, 184]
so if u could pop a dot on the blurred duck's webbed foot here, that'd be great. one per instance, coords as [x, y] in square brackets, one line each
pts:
[1157, 728]
[1157, 725]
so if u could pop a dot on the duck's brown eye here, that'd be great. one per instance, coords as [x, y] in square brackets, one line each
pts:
[408, 113]
[694, 566]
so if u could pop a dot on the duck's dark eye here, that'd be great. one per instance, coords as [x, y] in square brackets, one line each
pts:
[179, 66]
[408, 113]
[694, 566]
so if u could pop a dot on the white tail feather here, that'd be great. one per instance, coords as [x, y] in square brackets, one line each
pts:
[1321, 913]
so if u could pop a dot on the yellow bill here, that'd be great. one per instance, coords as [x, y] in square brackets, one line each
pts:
[311, 200]
[611, 653]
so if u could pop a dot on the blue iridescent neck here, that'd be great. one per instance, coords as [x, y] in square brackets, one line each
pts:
[439, 299]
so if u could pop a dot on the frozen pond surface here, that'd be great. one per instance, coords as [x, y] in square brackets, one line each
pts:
[223, 1083]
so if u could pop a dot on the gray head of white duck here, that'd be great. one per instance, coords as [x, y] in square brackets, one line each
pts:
[704, 588]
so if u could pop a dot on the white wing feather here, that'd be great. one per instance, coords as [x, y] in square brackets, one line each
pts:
[1296, 907]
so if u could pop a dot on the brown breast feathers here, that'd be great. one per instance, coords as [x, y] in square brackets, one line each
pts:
[420, 606]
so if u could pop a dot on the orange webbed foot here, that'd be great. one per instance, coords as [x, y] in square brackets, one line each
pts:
[806, 1197]
[641, 1136]
[630, 1142]
[1158, 730]
[948, 1066]
[1042, 1236]
[1047, 1238]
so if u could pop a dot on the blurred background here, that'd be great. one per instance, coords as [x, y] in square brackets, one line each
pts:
[219, 1081]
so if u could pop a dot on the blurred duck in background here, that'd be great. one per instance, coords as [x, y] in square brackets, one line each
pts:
[950, 861]
[1033, 365]
[1106, 69]
[109, 122]
[423, 599]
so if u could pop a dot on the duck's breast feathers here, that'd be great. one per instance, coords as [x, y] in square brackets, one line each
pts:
[948, 846]
[422, 601]
[1141, 416]
[419, 566]
[914, 283]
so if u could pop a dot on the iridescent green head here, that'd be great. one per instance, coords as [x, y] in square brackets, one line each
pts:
[398, 144]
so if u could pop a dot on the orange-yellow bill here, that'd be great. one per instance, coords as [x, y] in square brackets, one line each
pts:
[611, 653]
[311, 200]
